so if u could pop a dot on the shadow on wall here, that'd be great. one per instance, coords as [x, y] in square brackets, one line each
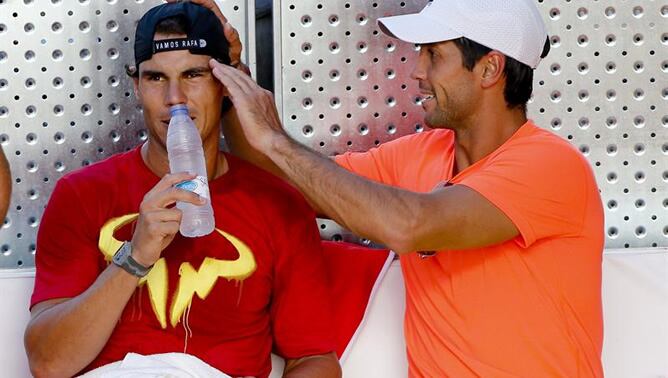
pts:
[264, 44]
[5, 184]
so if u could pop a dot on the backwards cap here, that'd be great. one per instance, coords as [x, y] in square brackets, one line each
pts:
[204, 32]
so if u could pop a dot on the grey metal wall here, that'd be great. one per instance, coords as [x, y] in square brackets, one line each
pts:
[342, 85]
[65, 100]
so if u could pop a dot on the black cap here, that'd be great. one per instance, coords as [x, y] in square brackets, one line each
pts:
[205, 34]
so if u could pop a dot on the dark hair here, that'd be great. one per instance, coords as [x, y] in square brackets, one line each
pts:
[519, 76]
[170, 25]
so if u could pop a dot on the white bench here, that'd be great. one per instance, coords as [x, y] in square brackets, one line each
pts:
[635, 298]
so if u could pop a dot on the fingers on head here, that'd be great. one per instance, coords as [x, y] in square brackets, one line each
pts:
[213, 6]
[230, 30]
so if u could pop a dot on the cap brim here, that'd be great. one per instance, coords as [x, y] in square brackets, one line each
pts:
[416, 28]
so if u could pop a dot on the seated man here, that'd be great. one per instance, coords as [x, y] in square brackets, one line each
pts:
[258, 278]
[5, 185]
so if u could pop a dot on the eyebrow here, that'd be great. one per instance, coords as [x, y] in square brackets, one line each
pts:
[199, 69]
[150, 73]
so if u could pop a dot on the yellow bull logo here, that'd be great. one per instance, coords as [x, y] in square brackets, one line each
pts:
[191, 281]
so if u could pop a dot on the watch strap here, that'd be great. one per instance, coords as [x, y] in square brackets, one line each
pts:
[123, 258]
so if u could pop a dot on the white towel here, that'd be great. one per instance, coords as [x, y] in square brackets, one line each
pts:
[167, 365]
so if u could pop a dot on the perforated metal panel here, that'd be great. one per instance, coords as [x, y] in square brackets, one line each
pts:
[342, 85]
[604, 87]
[65, 100]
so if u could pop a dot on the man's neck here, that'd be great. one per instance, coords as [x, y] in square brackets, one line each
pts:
[157, 161]
[481, 136]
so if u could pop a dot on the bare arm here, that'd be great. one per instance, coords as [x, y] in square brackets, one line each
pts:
[456, 217]
[5, 185]
[65, 335]
[321, 366]
[450, 218]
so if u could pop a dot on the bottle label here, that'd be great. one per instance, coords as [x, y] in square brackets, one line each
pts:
[197, 185]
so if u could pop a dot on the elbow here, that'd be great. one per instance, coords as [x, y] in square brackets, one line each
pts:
[403, 237]
[40, 371]
[44, 367]
[41, 361]
[411, 228]
[41, 368]
[338, 371]
[401, 244]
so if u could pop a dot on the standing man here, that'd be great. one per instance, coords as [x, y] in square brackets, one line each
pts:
[255, 285]
[5, 185]
[498, 222]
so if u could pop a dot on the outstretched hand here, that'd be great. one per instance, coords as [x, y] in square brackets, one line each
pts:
[231, 34]
[254, 105]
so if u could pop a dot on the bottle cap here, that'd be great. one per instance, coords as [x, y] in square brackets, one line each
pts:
[178, 109]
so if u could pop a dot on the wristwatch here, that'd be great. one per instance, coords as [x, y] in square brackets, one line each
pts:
[123, 258]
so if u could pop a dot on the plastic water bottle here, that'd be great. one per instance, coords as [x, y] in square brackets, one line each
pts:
[185, 152]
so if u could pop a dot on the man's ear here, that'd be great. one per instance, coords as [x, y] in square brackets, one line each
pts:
[135, 87]
[133, 72]
[492, 68]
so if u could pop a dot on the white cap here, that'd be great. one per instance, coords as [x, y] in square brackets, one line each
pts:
[513, 27]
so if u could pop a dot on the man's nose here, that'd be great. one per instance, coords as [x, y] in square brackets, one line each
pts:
[175, 94]
[419, 71]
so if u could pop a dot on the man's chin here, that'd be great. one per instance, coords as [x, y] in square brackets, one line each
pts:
[433, 122]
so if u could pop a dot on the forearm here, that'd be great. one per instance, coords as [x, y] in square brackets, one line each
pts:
[65, 338]
[375, 211]
[5, 185]
[322, 366]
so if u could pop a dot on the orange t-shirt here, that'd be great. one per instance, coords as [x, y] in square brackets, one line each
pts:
[528, 307]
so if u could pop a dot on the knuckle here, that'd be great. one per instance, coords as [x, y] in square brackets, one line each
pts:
[151, 228]
[173, 227]
[175, 193]
[143, 207]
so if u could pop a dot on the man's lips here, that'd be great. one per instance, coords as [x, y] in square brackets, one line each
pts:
[426, 97]
[166, 122]
[426, 94]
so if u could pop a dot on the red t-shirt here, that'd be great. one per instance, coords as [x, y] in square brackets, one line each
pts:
[283, 306]
[528, 307]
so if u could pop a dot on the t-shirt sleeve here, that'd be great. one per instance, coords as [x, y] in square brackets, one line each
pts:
[66, 258]
[543, 189]
[300, 311]
[376, 164]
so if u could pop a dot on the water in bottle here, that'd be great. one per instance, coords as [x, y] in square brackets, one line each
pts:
[184, 148]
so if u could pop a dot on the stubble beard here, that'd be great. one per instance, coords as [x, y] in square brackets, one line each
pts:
[448, 116]
[441, 117]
